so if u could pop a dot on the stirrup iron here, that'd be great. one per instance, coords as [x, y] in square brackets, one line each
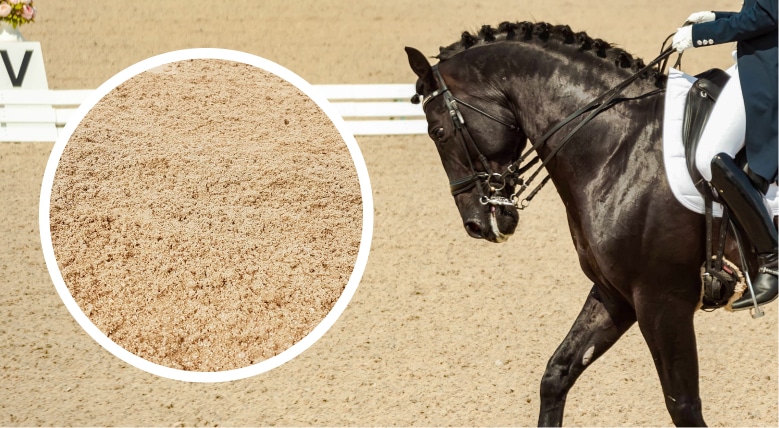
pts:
[756, 311]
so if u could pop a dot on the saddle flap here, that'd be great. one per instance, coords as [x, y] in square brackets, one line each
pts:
[700, 100]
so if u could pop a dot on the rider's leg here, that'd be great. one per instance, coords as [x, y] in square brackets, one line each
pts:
[725, 128]
[751, 215]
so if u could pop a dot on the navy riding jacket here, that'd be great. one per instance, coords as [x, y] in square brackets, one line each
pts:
[755, 31]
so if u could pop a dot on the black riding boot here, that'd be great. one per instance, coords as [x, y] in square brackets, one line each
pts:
[751, 216]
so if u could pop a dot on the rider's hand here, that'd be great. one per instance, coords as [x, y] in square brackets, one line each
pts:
[699, 17]
[682, 39]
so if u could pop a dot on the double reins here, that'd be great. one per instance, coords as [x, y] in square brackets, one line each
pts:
[512, 175]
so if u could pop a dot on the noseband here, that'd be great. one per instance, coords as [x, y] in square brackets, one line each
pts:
[497, 182]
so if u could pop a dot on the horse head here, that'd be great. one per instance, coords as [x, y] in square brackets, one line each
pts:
[477, 138]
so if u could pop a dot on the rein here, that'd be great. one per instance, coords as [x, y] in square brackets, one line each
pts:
[513, 172]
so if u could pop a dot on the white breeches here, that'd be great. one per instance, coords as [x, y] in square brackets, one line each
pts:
[726, 127]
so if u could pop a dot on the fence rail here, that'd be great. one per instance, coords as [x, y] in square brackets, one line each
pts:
[384, 109]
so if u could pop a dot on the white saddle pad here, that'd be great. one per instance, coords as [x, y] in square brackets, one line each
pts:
[673, 148]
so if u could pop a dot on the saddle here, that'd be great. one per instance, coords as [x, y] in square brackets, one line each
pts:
[721, 278]
[700, 100]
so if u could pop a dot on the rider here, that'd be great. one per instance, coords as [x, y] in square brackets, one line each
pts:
[754, 29]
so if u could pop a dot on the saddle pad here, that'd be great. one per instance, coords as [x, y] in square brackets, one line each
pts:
[673, 149]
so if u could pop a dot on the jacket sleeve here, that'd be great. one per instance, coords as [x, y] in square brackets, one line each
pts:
[721, 15]
[751, 22]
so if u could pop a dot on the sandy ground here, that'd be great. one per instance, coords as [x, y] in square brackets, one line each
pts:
[163, 236]
[444, 329]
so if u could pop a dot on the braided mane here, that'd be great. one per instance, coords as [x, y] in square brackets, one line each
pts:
[551, 34]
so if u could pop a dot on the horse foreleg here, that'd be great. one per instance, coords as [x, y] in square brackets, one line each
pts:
[599, 325]
[669, 331]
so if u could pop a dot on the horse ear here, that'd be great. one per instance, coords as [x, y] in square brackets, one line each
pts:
[420, 66]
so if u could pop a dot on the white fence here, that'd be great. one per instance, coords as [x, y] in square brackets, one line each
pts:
[377, 109]
[40, 115]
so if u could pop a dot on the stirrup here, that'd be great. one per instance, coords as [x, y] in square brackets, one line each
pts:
[755, 310]
[751, 220]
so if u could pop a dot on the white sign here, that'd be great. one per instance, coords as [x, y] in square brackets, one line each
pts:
[22, 66]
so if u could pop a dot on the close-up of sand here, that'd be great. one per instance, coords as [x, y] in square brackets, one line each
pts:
[443, 330]
[206, 215]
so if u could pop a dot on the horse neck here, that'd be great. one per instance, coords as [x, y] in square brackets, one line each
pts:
[554, 86]
[621, 140]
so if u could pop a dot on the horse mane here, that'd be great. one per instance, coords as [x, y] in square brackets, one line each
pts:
[550, 35]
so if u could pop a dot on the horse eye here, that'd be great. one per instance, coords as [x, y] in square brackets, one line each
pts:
[439, 133]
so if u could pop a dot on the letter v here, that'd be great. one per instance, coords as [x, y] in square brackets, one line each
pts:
[16, 79]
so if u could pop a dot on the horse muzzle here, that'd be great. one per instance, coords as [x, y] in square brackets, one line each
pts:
[496, 223]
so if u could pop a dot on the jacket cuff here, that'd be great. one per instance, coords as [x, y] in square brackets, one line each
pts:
[703, 35]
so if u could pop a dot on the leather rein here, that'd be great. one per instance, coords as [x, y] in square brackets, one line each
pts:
[512, 175]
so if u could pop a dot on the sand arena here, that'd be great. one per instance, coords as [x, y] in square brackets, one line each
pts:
[444, 329]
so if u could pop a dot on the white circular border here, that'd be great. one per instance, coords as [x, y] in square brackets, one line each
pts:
[297, 348]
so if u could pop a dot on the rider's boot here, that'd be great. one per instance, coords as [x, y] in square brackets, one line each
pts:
[752, 217]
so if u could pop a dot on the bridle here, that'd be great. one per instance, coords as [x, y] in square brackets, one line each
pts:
[512, 175]
[495, 182]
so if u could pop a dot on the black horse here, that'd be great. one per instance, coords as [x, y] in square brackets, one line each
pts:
[493, 91]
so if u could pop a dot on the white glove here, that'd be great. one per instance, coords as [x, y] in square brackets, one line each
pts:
[698, 17]
[682, 39]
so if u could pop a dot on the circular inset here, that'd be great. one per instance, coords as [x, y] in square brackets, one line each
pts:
[206, 215]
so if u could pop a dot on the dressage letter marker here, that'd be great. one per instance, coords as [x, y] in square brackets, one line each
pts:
[23, 65]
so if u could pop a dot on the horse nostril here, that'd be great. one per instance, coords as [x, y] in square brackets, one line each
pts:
[473, 229]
